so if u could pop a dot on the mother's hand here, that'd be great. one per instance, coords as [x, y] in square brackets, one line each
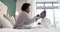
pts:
[37, 17]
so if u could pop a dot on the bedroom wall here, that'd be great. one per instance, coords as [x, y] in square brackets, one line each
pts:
[11, 4]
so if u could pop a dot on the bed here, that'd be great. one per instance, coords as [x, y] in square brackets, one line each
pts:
[29, 30]
[3, 10]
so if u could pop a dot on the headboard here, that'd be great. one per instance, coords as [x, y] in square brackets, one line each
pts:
[3, 8]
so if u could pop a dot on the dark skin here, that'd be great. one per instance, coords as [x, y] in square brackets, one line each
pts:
[28, 10]
[43, 15]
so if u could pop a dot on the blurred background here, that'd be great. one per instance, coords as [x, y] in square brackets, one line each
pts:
[52, 7]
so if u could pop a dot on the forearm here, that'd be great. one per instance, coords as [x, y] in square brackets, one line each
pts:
[36, 18]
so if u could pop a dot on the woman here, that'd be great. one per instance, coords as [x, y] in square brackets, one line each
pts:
[23, 19]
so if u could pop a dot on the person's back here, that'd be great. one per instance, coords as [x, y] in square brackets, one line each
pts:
[18, 21]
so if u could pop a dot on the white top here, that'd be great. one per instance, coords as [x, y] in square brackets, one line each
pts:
[45, 22]
[23, 19]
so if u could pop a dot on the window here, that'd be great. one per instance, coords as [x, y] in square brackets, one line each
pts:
[52, 9]
[55, 4]
[40, 5]
[48, 4]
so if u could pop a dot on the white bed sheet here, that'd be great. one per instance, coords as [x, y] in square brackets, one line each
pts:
[29, 30]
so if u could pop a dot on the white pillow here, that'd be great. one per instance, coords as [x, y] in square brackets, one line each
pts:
[5, 23]
[10, 18]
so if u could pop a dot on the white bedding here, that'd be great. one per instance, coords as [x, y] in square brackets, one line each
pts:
[29, 30]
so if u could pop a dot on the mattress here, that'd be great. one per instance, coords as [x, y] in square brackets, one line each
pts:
[29, 30]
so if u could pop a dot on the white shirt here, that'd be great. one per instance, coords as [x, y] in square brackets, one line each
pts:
[22, 20]
[45, 22]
